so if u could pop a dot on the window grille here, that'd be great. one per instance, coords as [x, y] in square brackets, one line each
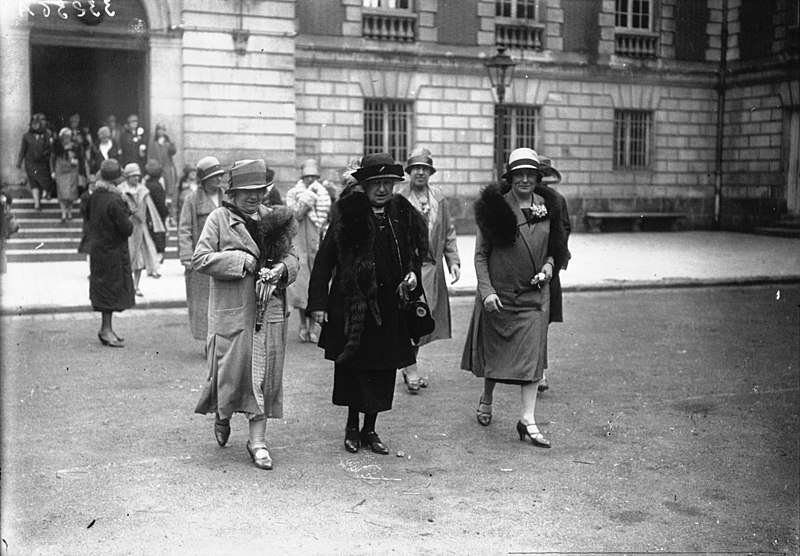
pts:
[632, 138]
[521, 128]
[387, 127]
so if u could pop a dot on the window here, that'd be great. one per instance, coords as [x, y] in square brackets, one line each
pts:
[632, 138]
[633, 14]
[521, 128]
[387, 127]
[520, 9]
[389, 4]
[518, 24]
[633, 20]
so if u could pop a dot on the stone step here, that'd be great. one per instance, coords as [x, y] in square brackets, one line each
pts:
[48, 255]
[777, 231]
[26, 244]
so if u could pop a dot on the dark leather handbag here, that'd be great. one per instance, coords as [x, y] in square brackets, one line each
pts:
[419, 320]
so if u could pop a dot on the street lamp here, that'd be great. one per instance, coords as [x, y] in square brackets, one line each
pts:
[501, 70]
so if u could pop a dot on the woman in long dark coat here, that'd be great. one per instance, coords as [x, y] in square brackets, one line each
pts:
[111, 281]
[520, 246]
[375, 242]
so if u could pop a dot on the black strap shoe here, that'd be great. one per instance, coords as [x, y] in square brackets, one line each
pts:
[372, 440]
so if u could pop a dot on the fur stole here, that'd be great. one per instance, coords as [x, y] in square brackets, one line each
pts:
[354, 230]
[273, 233]
[498, 222]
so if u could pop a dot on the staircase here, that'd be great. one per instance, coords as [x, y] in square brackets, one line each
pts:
[787, 226]
[42, 237]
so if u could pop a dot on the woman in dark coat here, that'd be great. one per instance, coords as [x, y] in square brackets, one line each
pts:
[111, 281]
[375, 242]
[520, 246]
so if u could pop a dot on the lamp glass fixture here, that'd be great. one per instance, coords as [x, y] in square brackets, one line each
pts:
[501, 70]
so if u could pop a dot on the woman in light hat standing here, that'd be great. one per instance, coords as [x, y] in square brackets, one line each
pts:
[141, 246]
[443, 247]
[195, 210]
[521, 244]
[310, 203]
[374, 244]
[246, 249]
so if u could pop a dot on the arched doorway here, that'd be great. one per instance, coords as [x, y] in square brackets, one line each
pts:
[94, 65]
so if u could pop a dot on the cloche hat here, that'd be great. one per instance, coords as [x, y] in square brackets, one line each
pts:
[208, 167]
[378, 166]
[521, 159]
[249, 174]
[131, 169]
[309, 168]
[550, 175]
[420, 157]
[109, 169]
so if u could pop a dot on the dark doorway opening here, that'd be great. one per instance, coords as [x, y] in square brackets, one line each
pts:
[94, 82]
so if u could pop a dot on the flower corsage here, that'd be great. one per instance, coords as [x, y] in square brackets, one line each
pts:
[538, 212]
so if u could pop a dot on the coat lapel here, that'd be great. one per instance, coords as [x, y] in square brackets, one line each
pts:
[238, 228]
[525, 232]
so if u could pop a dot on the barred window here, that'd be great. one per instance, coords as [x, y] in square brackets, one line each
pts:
[633, 14]
[389, 4]
[520, 9]
[521, 128]
[387, 127]
[632, 138]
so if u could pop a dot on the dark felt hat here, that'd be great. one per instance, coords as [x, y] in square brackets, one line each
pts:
[378, 166]
[110, 170]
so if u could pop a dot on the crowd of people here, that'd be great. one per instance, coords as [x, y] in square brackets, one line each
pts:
[62, 165]
[348, 259]
[339, 257]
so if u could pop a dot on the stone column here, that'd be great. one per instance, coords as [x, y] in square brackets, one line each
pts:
[15, 89]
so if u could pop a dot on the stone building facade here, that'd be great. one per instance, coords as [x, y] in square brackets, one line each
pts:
[654, 105]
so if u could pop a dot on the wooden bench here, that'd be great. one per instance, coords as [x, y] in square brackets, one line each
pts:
[632, 220]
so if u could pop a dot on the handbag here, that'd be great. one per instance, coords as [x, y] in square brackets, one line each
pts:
[416, 313]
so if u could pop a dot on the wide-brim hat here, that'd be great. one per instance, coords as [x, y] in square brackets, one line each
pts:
[208, 167]
[420, 157]
[378, 166]
[550, 175]
[309, 168]
[248, 174]
[521, 159]
[131, 169]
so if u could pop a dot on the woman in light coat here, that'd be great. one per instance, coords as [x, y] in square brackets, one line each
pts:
[194, 212]
[310, 203]
[143, 252]
[443, 247]
[246, 249]
[520, 246]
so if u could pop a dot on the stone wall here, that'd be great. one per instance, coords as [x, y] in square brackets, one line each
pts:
[240, 105]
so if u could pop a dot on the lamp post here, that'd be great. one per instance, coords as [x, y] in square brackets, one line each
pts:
[501, 70]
